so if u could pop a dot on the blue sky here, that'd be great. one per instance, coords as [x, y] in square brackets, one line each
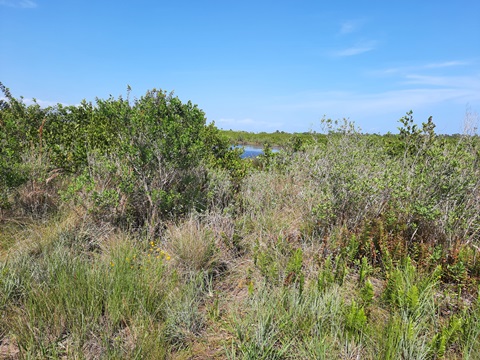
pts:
[254, 65]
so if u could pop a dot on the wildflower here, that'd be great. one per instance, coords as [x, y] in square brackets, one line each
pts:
[165, 255]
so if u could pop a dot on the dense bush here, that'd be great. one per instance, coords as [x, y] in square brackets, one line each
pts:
[134, 161]
[417, 195]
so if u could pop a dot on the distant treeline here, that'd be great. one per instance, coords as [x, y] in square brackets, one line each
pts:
[277, 138]
[285, 139]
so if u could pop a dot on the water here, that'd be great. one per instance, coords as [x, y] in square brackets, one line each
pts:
[251, 151]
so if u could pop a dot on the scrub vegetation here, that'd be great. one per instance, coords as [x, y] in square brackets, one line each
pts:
[277, 138]
[129, 228]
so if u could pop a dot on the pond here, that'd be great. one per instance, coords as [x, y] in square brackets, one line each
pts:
[251, 151]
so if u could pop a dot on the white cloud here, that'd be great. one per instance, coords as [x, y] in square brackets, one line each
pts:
[28, 4]
[24, 4]
[360, 104]
[446, 64]
[431, 88]
[415, 68]
[434, 91]
[350, 26]
[357, 49]
[462, 82]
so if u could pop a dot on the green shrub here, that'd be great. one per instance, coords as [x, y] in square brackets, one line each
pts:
[138, 161]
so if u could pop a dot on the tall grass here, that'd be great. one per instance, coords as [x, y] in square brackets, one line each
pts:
[62, 301]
